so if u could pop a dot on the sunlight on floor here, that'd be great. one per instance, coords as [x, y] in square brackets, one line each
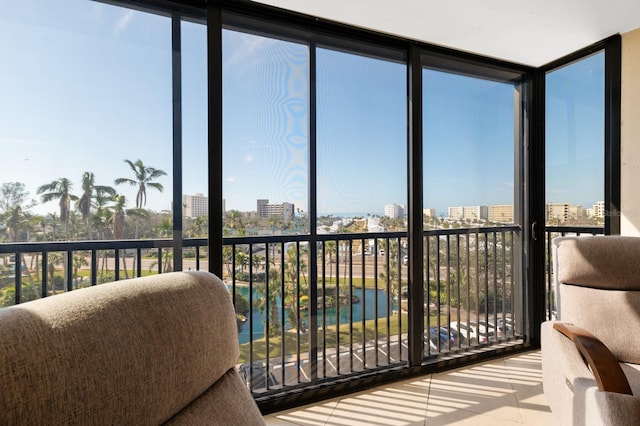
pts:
[507, 391]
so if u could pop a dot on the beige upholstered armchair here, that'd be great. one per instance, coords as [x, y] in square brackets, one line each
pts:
[591, 354]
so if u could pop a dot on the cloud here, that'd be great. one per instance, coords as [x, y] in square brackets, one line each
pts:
[123, 23]
[231, 179]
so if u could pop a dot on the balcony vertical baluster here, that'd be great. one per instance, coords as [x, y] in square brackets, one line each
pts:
[363, 303]
[45, 275]
[94, 267]
[468, 271]
[337, 304]
[504, 284]
[458, 293]
[299, 324]
[69, 277]
[448, 291]
[324, 309]
[350, 301]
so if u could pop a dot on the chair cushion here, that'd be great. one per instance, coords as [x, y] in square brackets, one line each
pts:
[588, 307]
[609, 262]
[227, 402]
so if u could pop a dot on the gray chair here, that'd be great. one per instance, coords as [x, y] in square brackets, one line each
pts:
[591, 353]
[144, 351]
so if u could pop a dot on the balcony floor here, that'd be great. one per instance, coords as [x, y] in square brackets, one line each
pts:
[506, 391]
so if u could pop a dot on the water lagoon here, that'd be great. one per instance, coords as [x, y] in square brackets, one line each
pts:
[366, 299]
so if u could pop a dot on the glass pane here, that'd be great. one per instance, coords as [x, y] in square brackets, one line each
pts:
[194, 129]
[86, 86]
[468, 151]
[265, 135]
[575, 143]
[195, 179]
[362, 140]
[469, 184]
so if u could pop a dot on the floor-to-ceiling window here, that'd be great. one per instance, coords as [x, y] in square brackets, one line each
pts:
[362, 189]
[574, 154]
[575, 143]
[471, 143]
[194, 110]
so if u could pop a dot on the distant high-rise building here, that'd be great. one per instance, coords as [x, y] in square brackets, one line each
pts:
[394, 211]
[599, 210]
[429, 212]
[286, 210]
[562, 212]
[195, 205]
[469, 212]
[502, 213]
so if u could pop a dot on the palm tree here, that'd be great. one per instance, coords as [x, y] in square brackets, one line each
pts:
[53, 217]
[84, 203]
[14, 219]
[268, 306]
[200, 226]
[144, 177]
[59, 190]
[118, 223]
[234, 219]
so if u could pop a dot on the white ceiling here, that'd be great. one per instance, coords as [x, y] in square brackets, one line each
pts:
[532, 32]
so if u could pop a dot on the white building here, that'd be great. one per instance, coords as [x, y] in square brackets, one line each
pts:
[394, 211]
[598, 210]
[195, 205]
[286, 210]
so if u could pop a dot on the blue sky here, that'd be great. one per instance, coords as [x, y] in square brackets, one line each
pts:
[90, 85]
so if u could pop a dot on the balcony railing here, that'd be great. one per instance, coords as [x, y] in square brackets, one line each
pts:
[315, 310]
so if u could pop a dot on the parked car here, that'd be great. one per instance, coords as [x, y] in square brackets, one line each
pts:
[487, 331]
[468, 332]
[505, 327]
[457, 339]
[443, 335]
[258, 374]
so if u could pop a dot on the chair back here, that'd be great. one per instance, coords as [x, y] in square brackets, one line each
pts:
[597, 280]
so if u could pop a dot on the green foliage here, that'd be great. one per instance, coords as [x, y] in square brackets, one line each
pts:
[241, 304]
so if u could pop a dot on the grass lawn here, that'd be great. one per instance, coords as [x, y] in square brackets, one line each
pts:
[331, 336]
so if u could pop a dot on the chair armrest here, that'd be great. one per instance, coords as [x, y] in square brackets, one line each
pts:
[604, 366]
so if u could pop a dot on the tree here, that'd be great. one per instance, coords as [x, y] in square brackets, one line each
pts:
[14, 219]
[14, 194]
[269, 305]
[59, 190]
[144, 177]
[14, 209]
[117, 220]
[234, 219]
[200, 226]
[53, 218]
[85, 201]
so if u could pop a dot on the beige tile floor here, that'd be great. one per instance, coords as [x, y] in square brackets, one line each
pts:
[507, 391]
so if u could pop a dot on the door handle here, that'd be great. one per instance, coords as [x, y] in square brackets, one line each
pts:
[533, 231]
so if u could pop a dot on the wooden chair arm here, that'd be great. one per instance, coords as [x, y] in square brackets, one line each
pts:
[604, 366]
